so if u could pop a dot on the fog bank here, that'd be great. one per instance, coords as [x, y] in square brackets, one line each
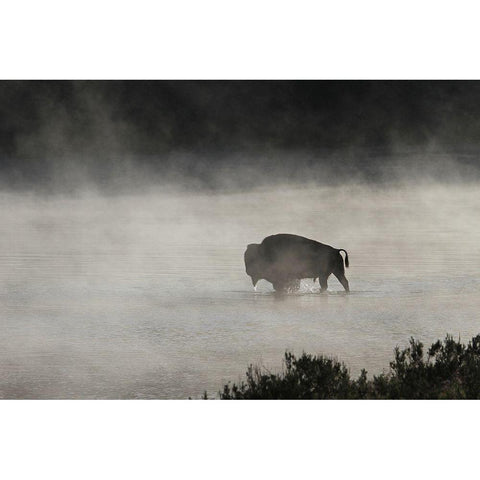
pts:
[145, 295]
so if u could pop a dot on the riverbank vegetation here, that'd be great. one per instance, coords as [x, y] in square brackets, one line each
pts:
[447, 370]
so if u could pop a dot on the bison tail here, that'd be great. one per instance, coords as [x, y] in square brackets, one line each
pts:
[346, 257]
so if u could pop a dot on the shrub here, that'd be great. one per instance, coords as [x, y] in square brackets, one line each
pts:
[449, 370]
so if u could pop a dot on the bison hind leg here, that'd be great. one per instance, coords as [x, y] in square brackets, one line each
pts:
[340, 274]
[323, 283]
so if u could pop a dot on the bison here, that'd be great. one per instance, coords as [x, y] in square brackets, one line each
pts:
[284, 259]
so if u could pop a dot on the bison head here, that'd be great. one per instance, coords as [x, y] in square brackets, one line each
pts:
[254, 263]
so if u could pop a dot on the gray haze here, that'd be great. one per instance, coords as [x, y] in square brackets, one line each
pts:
[143, 294]
[126, 208]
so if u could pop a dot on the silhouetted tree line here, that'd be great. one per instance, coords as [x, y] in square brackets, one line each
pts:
[151, 117]
[57, 132]
[447, 370]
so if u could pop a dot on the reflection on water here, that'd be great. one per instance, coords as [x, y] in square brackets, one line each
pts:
[145, 296]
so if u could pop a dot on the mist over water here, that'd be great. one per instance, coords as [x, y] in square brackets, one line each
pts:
[126, 208]
[144, 294]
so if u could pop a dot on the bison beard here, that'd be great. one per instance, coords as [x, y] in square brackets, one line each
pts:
[284, 259]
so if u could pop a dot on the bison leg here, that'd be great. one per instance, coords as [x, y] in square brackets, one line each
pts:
[279, 286]
[286, 285]
[293, 285]
[322, 279]
[342, 280]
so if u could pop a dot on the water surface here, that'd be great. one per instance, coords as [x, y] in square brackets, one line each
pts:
[145, 295]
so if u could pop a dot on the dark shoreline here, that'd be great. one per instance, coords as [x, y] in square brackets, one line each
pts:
[448, 370]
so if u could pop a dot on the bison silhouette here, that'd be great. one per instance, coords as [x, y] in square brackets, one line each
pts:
[284, 259]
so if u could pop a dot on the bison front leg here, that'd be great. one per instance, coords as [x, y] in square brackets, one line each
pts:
[293, 285]
[287, 285]
[279, 286]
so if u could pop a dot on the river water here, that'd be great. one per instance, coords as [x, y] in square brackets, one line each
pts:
[145, 295]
